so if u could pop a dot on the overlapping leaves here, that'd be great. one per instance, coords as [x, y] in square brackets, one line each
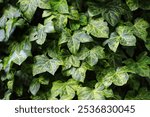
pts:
[64, 53]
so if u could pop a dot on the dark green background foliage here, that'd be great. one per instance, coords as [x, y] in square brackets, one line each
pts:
[75, 49]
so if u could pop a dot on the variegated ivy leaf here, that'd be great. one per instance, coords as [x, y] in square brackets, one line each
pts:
[141, 67]
[59, 5]
[9, 21]
[77, 38]
[113, 41]
[95, 54]
[39, 33]
[61, 22]
[19, 53]
[65, 36]
[34, 86]
[85, 93]
[65, 90]
[78, 73]
[112, 13]
[28, 7]
[93, 9]
[140, 27]
[98, 28]
[119, 77]
[44, 64]
[126, 35]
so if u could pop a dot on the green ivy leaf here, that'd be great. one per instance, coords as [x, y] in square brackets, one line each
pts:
[85, 93]
[34, 86]
[112, 13]
[126, 35]
[73, 45]
[93, 9]
[61, 22]
[19, 53]
[79, 74]
[28, 7]
[82, 37]
[66, 90]
[94, 54]
[121, 77]
[39, 33]
[77, 38]
[113, 41]
[98, 28]
[44, 64]
[59, 5]
[141, 67]
[140, 27]
[65, 36]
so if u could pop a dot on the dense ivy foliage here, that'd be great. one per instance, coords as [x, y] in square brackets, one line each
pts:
[75, 49]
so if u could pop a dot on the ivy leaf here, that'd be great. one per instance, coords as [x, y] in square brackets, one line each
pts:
[39, 33]
[73, 45]
[94, 54]
[82, 37]
[73, 60]
[98, 28]
[140, 27]
[132, 4]
[126, 35]
[112, 13]
[113, 41]
[77, 38]
[66, 90]
[65, 36]
[44, 64]
[34, 86]
[59, 5]
[19, 53]
[61, 22]
[11, 25]
[28, 7]
[121, 77]
[12, 12]
[93, 9]
[83, 54]
[79, 74]
[85, 93]
[141, 67]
